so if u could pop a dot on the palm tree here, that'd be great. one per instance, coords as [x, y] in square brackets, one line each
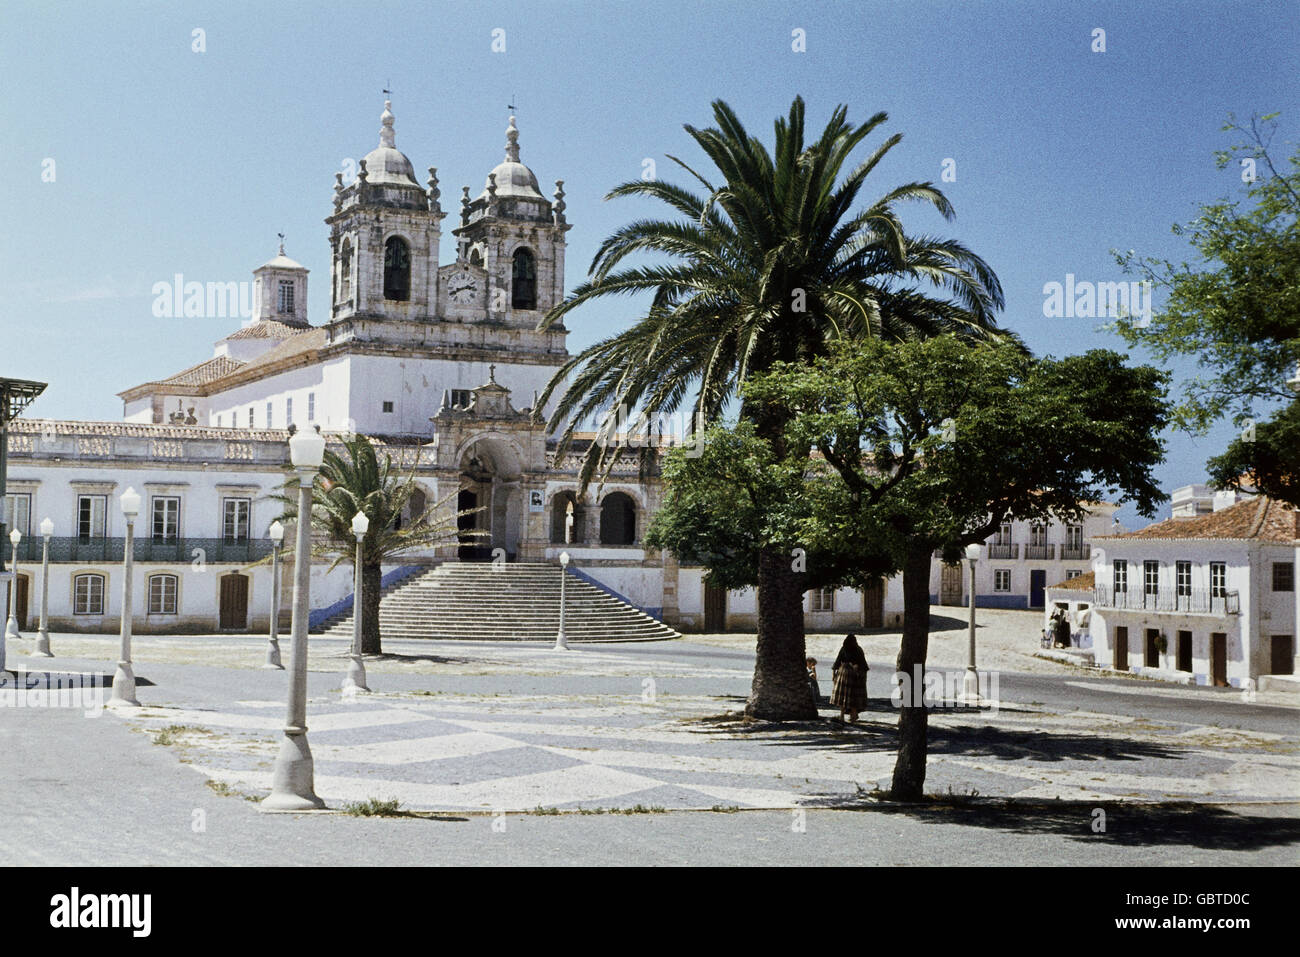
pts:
[357, 482]
[770, 264]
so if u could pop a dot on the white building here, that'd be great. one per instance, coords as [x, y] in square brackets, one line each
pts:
[1208, 598]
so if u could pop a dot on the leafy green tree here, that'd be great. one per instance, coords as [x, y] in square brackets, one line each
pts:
[766, 263]
[1237, 309]
[357, 481]
[922, 446]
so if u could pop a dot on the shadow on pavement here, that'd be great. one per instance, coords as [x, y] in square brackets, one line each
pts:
[1204, 826]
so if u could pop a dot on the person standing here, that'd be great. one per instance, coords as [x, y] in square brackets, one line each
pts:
[849, 679]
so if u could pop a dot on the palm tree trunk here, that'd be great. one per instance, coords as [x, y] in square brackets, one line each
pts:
[780, 689]
[370, 577]
[913, 720]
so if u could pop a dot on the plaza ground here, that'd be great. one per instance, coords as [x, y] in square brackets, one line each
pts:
[636, 753]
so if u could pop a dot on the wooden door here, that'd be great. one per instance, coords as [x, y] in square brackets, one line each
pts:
[1121, 648]
[1281, 653]
[1151, 655]
[1184, 651]
[1219, 659]
[715, 608]
[950, 583]
[234, 603]
[873, 604]
[1037, 587]
[20, 601]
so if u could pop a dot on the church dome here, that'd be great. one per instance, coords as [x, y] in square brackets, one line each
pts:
[514, 179]
[386, 165]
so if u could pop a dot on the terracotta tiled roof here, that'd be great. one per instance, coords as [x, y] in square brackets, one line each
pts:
[306, 340]
[1261, 519]
[204, 372]
[1085, 582]
[269, 329]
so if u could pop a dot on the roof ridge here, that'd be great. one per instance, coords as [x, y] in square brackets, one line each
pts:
[1261, 514]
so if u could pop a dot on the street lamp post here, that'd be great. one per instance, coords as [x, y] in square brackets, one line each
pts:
[11, 626]
[124, 678]
[276, 534]
[354, 679]
[43, 638]
[292, 787]
[970, 690]
[562, 642]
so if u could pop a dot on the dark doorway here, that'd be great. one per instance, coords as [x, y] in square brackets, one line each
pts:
[715, 608]
[1185, 651]
[473, 548]
[1121, 649]
[1037, 587]
[1219, 660]
[1281, 653]
[873, 604]
[234, 603]
[1151, 653]
[617, 520]
[559, 519]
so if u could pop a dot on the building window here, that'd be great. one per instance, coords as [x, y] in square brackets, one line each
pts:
[311, 406]
[1183, 577]
[345, 272]
[460, 398]
[1038, 534]
[88, 595]
[1074, 536]
[218, 421]
[1218, 579]
[1121, 575]
[388, 407]
[250, 416]
[1150, 578]
[288, 411]
[524, 280]
[234, 519]
[1004, 534]
[1002, 579]
[285, 304]
[1283, 576]
[821, 599]
[92, 512]
[397, 269]
[162, 594]
[166, 517]
[268, 415]
[1072, 573]
[18, 513]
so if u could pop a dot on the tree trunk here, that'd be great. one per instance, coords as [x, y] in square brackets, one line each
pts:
[370, 641]
[780, 691]
[909, 767]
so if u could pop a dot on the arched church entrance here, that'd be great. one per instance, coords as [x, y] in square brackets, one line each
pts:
[490, 485]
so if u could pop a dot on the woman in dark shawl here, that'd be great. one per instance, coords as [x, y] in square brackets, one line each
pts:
[849, 689]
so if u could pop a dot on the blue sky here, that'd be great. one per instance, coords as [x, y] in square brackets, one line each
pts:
[174, 161]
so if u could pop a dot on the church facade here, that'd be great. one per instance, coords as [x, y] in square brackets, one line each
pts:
[441, 365]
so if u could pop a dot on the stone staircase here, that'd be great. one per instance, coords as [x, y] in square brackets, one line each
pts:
[503, 602]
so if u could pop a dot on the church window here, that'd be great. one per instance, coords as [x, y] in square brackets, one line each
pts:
[345, 272]
[268, 415]
[397, 269]
[285, 304]
[250, 416]
[388, 407]
[311, 406]
[460, 398]
[524, 285]
[288, 411]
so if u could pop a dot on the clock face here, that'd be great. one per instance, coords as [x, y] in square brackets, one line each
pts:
[462, 287]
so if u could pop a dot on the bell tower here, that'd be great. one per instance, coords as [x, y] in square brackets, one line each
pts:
[384, 235]
[515, 235]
